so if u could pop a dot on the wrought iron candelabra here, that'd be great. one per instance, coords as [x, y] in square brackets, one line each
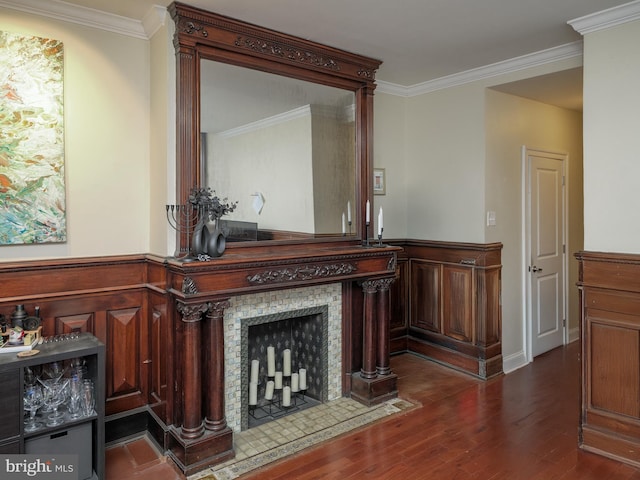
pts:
[183, 219]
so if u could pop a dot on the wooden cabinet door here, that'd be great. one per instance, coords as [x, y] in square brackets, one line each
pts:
[127, 349]
[120, 322]
[457, 299]
[425, 295]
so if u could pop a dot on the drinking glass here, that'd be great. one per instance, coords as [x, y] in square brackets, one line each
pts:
[55, 394]
[88, 398]
[33, 400]
[53, 371]
[79, 368]
[29, 377]
[75, 397]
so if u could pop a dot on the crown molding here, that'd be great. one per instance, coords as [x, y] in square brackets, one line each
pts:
[562, 52]
[607, 18]
[155, 18]
[392, 88]
[294, 114]
[87, 17]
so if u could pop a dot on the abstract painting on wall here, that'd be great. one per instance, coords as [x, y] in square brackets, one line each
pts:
[32, 189]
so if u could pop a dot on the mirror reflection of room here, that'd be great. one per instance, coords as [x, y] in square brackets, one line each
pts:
[283, 148]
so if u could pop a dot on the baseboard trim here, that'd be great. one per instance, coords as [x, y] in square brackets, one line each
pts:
[514, 361]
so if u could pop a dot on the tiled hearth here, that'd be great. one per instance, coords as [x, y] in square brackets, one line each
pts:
[267, 443]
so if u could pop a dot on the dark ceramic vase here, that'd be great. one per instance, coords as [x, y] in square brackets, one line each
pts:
[200, 239]
[217, 241]
[208, 239]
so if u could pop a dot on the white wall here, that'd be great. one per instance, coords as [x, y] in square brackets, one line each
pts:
[106, 108]
[512, 122]
[445, 165]
[611, 131]
[162, 140]
[389, 153]
[450, 154]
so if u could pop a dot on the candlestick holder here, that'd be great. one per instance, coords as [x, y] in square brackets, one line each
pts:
[300, 394]
[380, 238]
[365, 242]
[183, 218]
[349, 222]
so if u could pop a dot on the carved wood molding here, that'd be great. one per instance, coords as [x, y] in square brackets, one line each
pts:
[192, 313]
[198, 26]
[189, 286]
[266, 47]
[372, 286]
[216, 308]
[305, 272]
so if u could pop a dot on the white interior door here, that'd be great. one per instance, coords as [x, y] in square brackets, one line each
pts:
[546, 252]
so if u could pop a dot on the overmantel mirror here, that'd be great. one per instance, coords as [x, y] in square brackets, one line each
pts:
[277, 123]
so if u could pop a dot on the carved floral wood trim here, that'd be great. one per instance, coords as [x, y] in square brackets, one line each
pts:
[306, 272]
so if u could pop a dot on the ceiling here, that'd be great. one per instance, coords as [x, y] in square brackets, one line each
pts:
[417, 40]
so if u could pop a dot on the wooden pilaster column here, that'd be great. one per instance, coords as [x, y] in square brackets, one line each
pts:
[383, 364]
[192, 425]
[369, 330]
[214, 367]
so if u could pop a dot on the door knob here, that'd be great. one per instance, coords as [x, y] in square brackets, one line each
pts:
[535, 269]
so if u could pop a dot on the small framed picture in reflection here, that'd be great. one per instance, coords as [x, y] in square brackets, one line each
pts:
[379, 182]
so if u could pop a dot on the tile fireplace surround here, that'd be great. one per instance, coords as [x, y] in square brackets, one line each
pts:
[271, 303]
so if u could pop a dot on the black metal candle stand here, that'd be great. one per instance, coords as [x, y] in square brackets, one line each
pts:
[273, 408]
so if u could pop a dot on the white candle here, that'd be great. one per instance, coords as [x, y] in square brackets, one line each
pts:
[303, 378]
[367, 217]
[278, 380]
[271, 362]
[286, 396]
[286, 362]
[294, 383]
[380, 222]
[349, 211]
[255, 368]
[268, 393]
[344, 226]
[253, 393]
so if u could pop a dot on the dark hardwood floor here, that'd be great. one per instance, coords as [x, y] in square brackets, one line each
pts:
[520, 426]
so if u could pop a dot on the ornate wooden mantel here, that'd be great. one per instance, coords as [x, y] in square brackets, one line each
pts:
[200, 291]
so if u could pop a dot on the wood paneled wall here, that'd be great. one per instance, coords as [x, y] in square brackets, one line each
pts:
[119, 300]
[446, 304]
[610, 332]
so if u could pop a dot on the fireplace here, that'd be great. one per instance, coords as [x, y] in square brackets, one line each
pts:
[287, 314]
[300, 335]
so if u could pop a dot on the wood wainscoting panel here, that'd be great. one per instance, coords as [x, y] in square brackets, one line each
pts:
[458, 293]
[83, 322]
[425, 295]
[454, 309]
[400, 298]
[127, 347]
[123, 328]
[614, 376]
[488, 312]
[610, 327]
[103, 296]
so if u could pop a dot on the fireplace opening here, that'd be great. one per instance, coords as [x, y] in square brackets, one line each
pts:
[284, 364]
